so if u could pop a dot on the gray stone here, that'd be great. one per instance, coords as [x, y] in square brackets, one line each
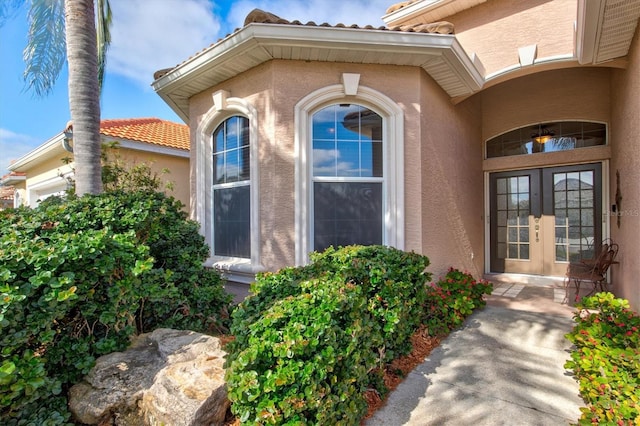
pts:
[167, 377]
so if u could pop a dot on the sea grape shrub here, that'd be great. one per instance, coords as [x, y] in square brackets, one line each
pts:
[394, 282]
[308, 338]
[79, 277]
[606, 360]
[452, 299]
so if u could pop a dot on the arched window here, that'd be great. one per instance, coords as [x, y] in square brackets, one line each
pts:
[547, 137]
[226, 202]
[232, 189]
[349, 169]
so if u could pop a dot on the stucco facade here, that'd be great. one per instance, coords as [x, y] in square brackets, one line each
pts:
[441, 97]
[625, 145]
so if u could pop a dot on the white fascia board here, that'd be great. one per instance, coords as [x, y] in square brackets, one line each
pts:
[259, 37]
[469, 69]
[38, 154]
[587, 28]
[146, 147]
[406, 13]
[12, 180]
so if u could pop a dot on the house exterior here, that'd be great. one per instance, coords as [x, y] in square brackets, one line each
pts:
[495, 136]
[48, 169]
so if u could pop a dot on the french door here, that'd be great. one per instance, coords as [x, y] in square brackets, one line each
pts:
[542, 219]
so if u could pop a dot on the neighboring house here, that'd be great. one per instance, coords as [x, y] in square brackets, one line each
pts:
[448, 132]
[48, 169]
[9, 197]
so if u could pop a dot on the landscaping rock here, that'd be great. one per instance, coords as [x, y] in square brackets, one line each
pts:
[168, 377]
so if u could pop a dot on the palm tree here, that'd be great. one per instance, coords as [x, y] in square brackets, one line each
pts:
[68, 28]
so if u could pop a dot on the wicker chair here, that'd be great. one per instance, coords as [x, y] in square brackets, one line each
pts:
[591, 271]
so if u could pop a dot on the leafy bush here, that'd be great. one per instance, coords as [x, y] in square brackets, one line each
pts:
[452, 299]
[79, 277]
[308, 337]
[606, 360]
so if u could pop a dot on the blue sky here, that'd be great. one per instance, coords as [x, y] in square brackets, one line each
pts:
[147, 35]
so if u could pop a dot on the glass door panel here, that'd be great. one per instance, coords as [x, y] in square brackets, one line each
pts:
[542, 219]
[573, 199]
[515, 202]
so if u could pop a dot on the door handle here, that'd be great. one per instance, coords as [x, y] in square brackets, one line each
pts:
[537, 228]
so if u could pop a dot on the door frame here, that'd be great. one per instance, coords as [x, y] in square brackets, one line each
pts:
[605, 203]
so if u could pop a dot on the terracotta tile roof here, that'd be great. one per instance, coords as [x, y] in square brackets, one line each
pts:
[261, 17]
[150, 130]
[12, 174]
[6, 193]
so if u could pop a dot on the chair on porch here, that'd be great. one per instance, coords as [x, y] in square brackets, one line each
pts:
[591, 271]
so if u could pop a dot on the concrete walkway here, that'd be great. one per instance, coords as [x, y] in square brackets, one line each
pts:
[503, 367]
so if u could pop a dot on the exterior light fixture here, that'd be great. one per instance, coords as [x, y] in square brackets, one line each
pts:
[544, 135]
[68, 138]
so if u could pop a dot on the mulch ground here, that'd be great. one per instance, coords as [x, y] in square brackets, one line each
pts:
[394, 373]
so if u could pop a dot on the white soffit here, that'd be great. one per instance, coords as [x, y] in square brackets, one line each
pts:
[440, 55]
[605, 29]
[427, 11]
[47, 150]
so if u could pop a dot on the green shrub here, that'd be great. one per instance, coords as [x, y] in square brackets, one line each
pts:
[606, 360]
[304, 361]
[79, 277]
[308, 338]
[452, 299]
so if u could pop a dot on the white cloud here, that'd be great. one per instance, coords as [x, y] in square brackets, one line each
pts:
[148, 36]
[14, 146]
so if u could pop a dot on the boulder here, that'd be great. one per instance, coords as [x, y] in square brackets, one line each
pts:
[167, 377]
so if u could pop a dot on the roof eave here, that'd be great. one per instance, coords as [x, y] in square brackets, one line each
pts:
[428, 11]
[604, 30]
[10, 180]
[587, 23]
[39, 154]
[256, 43]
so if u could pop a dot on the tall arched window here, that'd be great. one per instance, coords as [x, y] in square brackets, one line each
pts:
[227, 188]
[349, 169]
[347, 174]
[232, 189]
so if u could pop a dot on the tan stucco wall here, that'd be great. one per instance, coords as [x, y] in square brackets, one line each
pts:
[431, 133]
[625, 137]
[495, 30]
[565, 94]
[452, 183]
[177, 176]
[44, 177]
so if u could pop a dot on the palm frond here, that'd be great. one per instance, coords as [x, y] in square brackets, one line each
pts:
[8, 9]
[45, 52]
[104, 37]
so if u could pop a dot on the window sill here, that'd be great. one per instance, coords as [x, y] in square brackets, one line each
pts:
[235, 269]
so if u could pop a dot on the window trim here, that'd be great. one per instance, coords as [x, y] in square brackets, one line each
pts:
[393, 160]
[224, 107]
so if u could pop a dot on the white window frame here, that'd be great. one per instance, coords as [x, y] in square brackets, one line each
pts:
[393, 162]
[235, 268]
